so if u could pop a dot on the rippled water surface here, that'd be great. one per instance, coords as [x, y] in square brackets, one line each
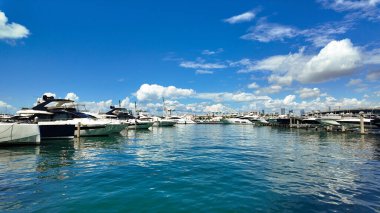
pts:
[195, 168]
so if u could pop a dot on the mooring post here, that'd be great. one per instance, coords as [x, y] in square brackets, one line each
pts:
[362, 130]
[298, 124]
[78, 130]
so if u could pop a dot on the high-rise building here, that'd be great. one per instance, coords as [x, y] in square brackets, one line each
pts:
[302, 111]
[282, 111]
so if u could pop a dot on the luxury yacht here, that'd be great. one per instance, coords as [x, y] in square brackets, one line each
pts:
[142, 122]
[240, 121]
[182, 120]
[58, 118]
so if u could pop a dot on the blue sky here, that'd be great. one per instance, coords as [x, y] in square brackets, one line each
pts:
[202, 56]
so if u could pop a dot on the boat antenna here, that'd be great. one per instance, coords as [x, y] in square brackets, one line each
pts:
[136, 108]
[163, 106]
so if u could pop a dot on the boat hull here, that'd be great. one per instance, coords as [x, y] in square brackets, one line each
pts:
[140, 125]
[56, 131]
[13, 134]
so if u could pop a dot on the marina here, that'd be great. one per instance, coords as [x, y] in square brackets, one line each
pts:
[61, 118]
[190, 106]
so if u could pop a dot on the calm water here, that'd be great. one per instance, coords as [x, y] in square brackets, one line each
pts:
[195, 168]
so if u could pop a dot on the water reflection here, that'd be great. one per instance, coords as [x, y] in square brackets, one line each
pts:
[221, 164]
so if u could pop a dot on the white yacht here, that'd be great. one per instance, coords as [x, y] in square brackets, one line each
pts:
[329, 120]
[58, 118]
[163, 122]
[182, 119]
[19, 133]
[239, 121]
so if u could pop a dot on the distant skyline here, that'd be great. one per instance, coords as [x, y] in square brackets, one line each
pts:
[201, 56]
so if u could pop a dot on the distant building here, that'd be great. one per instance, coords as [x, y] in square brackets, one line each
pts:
[302, 111]
[282, 111]
[263, 112]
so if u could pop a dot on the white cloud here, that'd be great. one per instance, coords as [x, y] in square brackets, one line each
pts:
[358, 8]
[253, 85]
[280, 80]
[309, 93]
[269, 90]
[156, 92]
[244, 17]
[217, 108]
[11, 30]
[212, 52]
[227, 96]
[319, 36]
[289, 99]
[6, 108]
[200, 65]
[266, 32]
[101, 106]
[72, 96]
[336, 59]
[202, 72]
[125, 102]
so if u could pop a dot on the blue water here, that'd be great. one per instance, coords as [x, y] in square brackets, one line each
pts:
[195, 168]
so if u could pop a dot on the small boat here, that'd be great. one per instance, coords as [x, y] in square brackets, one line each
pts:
[19, 133]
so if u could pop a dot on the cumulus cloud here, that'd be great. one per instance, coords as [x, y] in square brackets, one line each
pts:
[217, 108]
[11, 30]
[336, 59]
[101, 106]
[156, 92]
[289, 99]
[309, 93]
[202, 72]
[244, 17]
[72, 96]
